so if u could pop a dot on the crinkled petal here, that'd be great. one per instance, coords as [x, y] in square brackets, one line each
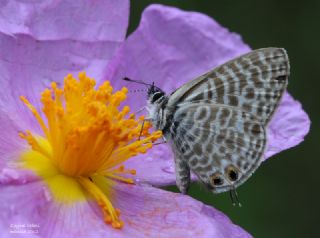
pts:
[151, 212]
[10, 145]
[156, 167]
[146, 211]
[10, 175]
[21, 205]
[99, 20]
[170, 47]
[32, 203]
[288, 127]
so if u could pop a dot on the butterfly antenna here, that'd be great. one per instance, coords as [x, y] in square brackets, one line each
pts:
[137, 81]
[137, 90]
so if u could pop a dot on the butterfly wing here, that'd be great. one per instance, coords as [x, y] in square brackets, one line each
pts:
[254, 83]
[219, 119]
[222, 145]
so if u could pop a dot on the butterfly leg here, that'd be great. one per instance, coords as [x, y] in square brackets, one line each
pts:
[141, 129]
[182, 175]
[146, 119]
[161, 142]
[140, 110]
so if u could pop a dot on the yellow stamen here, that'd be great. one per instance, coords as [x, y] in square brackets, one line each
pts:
[86, 136]
[109, 212]
[36, 114]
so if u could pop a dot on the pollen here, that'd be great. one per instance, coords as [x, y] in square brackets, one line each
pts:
[87, 136]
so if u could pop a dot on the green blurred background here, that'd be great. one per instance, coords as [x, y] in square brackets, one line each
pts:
[282, 199]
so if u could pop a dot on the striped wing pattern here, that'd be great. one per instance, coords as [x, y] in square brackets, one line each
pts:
[253, 83]
[212, 138]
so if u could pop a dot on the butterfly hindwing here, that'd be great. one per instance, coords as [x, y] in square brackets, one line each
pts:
[254, 83]
[212, 139]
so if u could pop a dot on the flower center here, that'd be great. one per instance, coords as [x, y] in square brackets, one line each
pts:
[86, 138]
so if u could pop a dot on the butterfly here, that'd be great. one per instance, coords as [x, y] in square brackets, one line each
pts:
[216, 123]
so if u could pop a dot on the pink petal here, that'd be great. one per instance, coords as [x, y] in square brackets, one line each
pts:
[10, 146]
[170, 47]
[20, 205]
[151, 212]
[10, 175]
[146, 211]
[288, 127]
[32, 203]
[156, 167]
[99, 20]
[8, 142]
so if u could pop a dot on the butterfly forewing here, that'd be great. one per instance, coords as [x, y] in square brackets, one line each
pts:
[212, 138]
[253, 82]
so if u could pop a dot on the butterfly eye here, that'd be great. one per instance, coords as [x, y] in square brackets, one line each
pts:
[156, 96]
[217, 179]
[232, 173]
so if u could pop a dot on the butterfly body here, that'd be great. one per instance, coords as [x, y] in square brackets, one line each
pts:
[216, 123]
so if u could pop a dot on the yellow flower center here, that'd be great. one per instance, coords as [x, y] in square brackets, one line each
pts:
[86, 139]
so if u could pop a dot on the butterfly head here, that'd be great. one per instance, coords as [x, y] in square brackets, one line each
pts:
[155, 93]
[157, 100]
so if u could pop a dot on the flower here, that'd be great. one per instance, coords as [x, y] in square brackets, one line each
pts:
[86, 137]
[43, 42]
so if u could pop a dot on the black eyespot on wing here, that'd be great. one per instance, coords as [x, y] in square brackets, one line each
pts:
[282, 78]
[217, 179]
[232, 173]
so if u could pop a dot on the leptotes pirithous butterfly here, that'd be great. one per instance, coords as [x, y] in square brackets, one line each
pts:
[216, 123]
